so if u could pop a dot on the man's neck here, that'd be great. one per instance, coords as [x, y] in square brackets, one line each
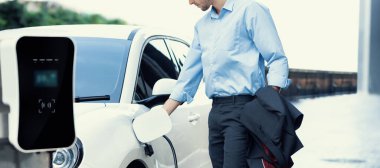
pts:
[218, 5]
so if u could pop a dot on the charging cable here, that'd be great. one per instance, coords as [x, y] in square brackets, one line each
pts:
[173, 151]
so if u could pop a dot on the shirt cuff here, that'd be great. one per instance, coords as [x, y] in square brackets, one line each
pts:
[181, 97]
[283, 84]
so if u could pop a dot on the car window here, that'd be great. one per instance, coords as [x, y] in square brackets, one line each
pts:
[156, 63]
[100, 67]
[179, 50]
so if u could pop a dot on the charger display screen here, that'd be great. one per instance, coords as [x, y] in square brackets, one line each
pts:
[46, 78]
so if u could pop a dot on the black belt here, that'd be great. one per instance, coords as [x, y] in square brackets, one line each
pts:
[232, 99]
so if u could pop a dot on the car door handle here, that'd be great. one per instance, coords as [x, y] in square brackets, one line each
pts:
[194, 117]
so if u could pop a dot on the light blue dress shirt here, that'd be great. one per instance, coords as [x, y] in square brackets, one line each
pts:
[229, 52]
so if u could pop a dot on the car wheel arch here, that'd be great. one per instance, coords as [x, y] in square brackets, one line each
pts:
[137, 164]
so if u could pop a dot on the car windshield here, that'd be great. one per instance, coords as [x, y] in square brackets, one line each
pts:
[100, 67]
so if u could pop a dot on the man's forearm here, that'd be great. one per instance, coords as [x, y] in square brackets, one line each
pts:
[170, 105]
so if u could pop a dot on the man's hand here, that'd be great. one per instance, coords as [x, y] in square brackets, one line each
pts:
[277, 89]
[170, 105]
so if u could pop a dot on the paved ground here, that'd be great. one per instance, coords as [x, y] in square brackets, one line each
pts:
[339, 132]
[11, 158]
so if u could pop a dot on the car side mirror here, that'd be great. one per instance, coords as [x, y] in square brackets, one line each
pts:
[160, 93]
[164, 86]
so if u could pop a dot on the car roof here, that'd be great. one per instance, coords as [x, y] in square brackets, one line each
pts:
[95, 30]
[86, 30]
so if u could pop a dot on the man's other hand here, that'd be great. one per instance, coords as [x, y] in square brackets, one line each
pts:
[277, 89]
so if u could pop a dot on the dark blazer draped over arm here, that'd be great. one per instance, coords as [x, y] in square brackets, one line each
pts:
[272, 121]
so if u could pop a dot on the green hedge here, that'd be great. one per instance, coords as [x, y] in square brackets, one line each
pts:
[14, 15]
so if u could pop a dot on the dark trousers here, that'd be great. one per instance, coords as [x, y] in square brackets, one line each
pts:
[228, 138]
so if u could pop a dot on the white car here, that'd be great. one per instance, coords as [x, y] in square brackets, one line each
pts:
[116, 69]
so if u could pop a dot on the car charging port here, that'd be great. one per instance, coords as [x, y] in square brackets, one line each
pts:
[148, 150]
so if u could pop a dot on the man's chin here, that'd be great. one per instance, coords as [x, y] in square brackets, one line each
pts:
[205, 8]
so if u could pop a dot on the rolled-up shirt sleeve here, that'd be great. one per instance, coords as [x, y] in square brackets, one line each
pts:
[191, 74]
[262, 30]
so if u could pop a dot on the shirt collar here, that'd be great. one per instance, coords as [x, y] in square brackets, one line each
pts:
[228, 5]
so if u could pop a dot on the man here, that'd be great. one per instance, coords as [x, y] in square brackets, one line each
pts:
[231, 43]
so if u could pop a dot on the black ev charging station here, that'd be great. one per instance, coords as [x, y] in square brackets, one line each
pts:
[36, 89]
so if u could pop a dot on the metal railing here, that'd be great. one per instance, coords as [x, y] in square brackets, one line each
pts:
[313, 83]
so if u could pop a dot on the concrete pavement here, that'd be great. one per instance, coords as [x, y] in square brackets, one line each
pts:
[339, 132]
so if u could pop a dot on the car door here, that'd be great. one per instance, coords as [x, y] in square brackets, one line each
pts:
[198, 110]
[157, 63]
